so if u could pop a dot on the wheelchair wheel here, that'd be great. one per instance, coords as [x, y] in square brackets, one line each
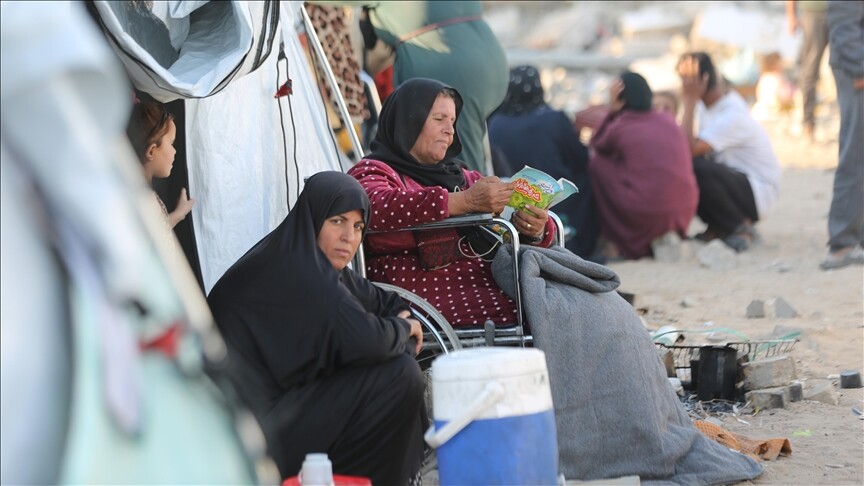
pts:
[438, 335]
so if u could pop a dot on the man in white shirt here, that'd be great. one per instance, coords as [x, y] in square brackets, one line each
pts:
[736, 169]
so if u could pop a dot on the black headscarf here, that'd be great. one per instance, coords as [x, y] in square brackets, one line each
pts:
[285, 278]
[637, 93]
[401, 120]
[292, 248]
[524, 93]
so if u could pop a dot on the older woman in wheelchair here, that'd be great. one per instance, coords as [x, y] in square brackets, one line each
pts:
[616, 414]
[413, 177]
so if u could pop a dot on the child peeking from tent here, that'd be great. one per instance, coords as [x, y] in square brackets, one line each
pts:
[152, 131]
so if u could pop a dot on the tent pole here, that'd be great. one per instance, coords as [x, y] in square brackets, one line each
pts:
[331, 80]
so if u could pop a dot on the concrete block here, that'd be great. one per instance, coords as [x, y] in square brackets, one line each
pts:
[667, 248]
[776, 397]
[717, 256]
[756, 309]
[769, 372]
[783, 309]
[795, 391]
[820, 391]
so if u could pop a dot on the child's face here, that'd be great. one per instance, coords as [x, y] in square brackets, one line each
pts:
[160, 158]
[664, 104]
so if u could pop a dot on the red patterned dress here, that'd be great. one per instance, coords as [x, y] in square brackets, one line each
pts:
[463, 291]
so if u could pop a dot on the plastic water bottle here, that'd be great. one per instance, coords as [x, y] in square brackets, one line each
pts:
[317, 470]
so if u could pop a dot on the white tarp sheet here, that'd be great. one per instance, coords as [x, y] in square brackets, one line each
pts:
[246, 158]
[237, 160]
[188, 49]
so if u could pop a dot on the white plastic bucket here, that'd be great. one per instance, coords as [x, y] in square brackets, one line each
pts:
[494, 421]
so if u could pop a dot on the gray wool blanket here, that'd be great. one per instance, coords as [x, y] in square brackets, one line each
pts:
[615, 412]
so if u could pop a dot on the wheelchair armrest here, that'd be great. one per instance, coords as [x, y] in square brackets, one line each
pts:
[559, 228]
[475, 219]
[461, 221]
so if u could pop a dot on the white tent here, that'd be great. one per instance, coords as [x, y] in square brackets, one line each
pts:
[247, 152]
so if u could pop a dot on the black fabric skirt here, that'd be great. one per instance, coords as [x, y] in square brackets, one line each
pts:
[369, 420]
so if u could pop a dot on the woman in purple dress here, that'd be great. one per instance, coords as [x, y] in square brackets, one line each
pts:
[641, 172]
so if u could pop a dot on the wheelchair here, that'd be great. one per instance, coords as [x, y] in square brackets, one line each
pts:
[439, 336]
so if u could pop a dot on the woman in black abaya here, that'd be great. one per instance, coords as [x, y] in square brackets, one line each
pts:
[323, 357]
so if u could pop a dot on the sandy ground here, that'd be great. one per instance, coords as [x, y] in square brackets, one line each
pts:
[826, 439]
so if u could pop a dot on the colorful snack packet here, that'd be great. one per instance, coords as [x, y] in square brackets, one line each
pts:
[539, 189]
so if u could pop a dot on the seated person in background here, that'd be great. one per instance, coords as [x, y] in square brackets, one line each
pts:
[412, 177]
[774, 91]
[530, 132]
[640, 167]
[736, 169]
[321, 356]
[151, 131]
[665, 102]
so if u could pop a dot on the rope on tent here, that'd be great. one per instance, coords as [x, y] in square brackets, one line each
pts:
[287, 92]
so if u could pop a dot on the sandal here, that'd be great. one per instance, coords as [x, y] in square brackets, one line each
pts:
[710, 234]
[738, 242]
[853, 256]
[706, 236]
[742, 238]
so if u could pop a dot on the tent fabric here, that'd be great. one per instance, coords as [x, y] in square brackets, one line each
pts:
[247, 160]
[247, 153]
[189, 49]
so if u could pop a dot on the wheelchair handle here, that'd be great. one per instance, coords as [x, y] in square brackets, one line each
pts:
[491, 394]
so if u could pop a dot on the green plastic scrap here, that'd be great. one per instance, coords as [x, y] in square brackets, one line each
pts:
[700, 331]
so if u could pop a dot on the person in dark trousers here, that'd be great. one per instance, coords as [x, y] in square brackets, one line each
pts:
[846, 217]
[735, 166]
[809, 16]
